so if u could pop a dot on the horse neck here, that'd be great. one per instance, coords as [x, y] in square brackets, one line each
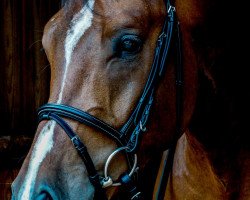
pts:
[194, 176]
[191, 166]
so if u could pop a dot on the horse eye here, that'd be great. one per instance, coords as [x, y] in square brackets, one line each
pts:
[129, 45]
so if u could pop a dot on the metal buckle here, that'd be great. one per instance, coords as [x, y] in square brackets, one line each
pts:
[106, 182]
[143, 128]
[171, 9]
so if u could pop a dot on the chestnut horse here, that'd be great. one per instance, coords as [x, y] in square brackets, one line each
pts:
[114, 93]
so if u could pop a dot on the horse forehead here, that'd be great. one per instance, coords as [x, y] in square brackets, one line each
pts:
[110, 7]
[108, 16]
[106, 9]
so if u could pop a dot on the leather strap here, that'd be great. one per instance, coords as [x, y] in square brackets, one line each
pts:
[82, 117]
[82, 151]
[168, 165]
[136, 124]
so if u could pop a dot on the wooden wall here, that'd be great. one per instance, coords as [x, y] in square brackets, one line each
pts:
[24, 73]
[24, 80]
[24, 69]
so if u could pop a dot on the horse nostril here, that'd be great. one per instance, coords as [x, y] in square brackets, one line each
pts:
[44, 196]
[46, 192]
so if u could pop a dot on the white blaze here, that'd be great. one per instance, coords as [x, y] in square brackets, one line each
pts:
[78, 25]
[43, 145]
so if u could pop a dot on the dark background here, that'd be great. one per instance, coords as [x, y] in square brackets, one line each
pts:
[24, 79]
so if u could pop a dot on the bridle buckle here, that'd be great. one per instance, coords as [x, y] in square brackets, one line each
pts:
[106, 182]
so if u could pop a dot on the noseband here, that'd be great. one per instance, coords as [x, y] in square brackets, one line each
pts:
[130, 135]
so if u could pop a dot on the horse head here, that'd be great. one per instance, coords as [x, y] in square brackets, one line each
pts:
[101, 55]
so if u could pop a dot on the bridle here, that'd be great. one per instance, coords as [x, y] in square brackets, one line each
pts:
[129, 136]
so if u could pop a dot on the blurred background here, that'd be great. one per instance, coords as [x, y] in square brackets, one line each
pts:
[24, 80]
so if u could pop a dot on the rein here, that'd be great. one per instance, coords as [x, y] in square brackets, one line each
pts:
[129, 136]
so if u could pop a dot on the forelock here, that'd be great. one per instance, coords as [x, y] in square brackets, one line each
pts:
[63, 2]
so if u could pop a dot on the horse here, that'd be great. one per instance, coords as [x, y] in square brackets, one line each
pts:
[125, 87]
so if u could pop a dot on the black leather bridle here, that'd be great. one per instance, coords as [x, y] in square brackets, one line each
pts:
[129, 136]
